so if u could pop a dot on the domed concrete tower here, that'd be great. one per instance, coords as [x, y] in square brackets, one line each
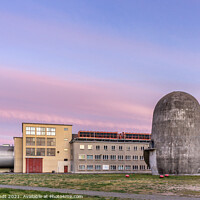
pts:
[176, 134]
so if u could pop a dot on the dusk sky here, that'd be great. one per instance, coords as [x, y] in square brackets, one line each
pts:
[95, 64]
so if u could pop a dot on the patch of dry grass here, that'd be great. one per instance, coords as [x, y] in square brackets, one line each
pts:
[137, 183]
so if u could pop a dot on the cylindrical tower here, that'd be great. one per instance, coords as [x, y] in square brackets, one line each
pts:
[176, 134]
[6, 157]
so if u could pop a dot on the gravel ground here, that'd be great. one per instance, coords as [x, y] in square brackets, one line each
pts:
[103, 194]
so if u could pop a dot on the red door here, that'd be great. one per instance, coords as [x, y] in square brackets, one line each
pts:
[33, 165]
[65, 169]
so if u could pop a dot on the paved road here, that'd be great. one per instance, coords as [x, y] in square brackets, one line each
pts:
[103, 194]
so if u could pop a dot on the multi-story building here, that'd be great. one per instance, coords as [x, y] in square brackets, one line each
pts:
[43, 148]
[109, 152]
[47, 148]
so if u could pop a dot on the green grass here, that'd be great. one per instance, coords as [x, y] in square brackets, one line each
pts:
[136, 183]
[40, 195]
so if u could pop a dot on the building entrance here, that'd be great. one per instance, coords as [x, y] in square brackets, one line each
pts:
[34, 165]
[65, 169]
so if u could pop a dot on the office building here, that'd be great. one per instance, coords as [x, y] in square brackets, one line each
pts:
[109, 152]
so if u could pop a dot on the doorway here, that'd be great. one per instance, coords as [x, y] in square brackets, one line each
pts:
[33, 165]
[66, 169]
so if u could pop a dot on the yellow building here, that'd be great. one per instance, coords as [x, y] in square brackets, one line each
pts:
[43, 148]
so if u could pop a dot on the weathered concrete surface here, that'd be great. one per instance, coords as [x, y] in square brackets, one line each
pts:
[150, 159]
[176, 134]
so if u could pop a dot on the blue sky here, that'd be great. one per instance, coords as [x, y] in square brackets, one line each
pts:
[100, 65]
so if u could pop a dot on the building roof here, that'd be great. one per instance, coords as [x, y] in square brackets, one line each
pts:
[47, 124]
[78, 139]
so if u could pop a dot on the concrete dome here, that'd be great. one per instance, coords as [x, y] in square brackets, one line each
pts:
[176, 134]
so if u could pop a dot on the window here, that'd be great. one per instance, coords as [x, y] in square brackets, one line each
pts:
[51, 131]
[40, 151]
[97, 147]
[141, 157]
[40, 131]
[97, 157]
[113, 157]
[30, 141]
[113, 148]
[128, 157]
[105, 147]
[90, 147]
[65, 129]
[89, 167]
[120, 148]
[81, 157]
[128, 167]
[81, 167]
[97, 167]
[82, 146]
[135, 167]
[51, 141]
[148, 167]
[113, 167]
[30, 151]
[105, 157]
[142, 148]
[89, 157]
[135, 148]
[135, 157]
[120, 167]
[105, 167]
[128, 148]
[30, 130]
[142, 167]
[51, 151]
[40, 141]
[120, 157]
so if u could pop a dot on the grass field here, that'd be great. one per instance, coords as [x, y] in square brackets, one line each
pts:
[136, 183]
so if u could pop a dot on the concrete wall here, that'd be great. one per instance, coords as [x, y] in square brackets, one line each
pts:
[176, 134]
[151, 160]
[18, 154]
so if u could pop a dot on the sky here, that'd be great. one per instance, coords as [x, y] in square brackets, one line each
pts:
[98, 65]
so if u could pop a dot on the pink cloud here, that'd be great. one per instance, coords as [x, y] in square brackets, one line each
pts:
[46, 118]
[92, 103]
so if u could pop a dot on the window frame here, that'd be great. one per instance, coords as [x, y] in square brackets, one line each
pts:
[81, 169]
[54, 142]
[81, 155]
[90, 157]
[82, 146]
[31, 150]
[49, 151]
[40, 151]
[89, 169]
